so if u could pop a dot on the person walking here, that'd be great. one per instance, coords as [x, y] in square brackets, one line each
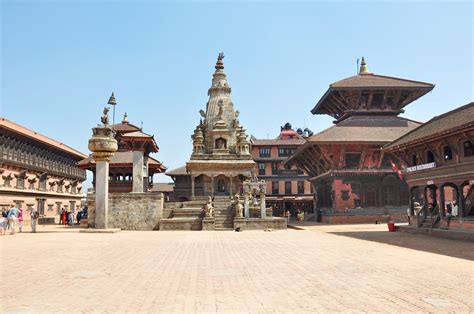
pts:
[12, 218]
[20, 220]
[34, 219]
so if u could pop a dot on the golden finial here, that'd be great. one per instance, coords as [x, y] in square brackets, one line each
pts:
[363, 67]
[125, 118]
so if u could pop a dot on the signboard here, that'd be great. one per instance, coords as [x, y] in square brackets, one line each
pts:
[422, 167]
[430, 182]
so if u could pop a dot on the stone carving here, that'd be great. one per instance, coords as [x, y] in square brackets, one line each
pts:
[209, 208]
[238, 207]
[105, 117]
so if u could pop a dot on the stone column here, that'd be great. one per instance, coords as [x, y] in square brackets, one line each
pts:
[212, 184]
[193, 193]
[103, 145]
[263, 206]
[101, 194]
[137, 171]
[231, 185]
[246, 205]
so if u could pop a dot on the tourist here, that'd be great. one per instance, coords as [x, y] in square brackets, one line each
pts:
[20, 220]
[70, 218]
[78, 217]
[34, 218]
[12, 218]
[455, 209]
[288, 215]
[63, 216]
[4, 213]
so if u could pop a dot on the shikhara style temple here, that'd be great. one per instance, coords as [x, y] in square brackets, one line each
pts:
[353, 178]
[438, 162]
[134, 149]
[221, 158]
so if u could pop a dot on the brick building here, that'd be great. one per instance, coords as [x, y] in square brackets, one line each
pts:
[288, 187]
[353, 178]
[438, 165]
[36, 170]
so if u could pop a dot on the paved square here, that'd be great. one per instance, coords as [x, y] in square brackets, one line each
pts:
[61, 270]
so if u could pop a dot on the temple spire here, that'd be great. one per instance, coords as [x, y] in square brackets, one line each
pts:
[363, 67]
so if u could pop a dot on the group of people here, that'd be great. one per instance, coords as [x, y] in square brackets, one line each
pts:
[67, 217]
[13, 217]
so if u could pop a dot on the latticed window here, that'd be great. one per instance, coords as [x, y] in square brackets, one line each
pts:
[287, 187]
[265, 152]
[468, 149]
[300, 187]
[261, 168]
[275, 187]
[447, 153]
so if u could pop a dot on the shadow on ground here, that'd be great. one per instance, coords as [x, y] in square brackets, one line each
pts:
[453, 248]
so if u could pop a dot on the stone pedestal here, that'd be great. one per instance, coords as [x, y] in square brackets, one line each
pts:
[138, 172]
[263, 209]
[239, 222]
[208, 223]
[246, 206]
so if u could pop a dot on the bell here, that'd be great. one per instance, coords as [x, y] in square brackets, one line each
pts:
[112, 100]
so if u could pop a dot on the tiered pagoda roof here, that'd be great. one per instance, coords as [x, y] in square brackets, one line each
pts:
[369, 94]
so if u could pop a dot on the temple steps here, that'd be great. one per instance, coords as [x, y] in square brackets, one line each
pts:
[223, 215]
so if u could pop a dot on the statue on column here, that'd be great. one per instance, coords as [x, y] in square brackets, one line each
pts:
[105, 117]
[208, 208]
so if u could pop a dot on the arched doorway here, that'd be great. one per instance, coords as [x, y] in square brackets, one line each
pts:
[221, 185]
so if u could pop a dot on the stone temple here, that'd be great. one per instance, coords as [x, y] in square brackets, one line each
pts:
[221, 158]
[220, 170]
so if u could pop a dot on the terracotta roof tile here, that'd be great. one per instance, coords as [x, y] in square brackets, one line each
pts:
[377, 129]
[178, 171]
[454, 119]
[375, 81]
[12, 126]
[272, 142]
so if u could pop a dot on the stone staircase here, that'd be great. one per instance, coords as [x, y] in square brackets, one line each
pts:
[223, 213]
[183, 216]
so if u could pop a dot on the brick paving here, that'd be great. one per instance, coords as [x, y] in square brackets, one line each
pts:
[62, 270]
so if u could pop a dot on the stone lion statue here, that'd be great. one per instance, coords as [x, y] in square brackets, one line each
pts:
[238, 207]
[209, 208]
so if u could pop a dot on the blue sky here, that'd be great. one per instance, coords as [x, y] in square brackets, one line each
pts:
[60, 60]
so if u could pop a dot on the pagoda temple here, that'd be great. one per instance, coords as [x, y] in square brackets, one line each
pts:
[221, 158]
[353, 179]
[131, 167]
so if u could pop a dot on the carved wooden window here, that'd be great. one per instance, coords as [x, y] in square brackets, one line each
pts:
[275, 187]
[468, 148]
[447, 153]
[264, 151]
[274, 168]
[429, 156]
[352, 160]
[261, 168]
[300, 187]
[287, 187]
